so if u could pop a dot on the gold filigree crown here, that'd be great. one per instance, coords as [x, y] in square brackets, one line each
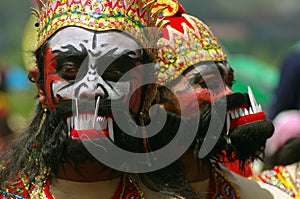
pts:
[131, 16]
[185, 41]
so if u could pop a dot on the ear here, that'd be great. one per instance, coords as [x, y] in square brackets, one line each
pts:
[42, 97]
[33, 76]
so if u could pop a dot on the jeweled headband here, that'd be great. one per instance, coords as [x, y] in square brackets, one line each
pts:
[126, 15]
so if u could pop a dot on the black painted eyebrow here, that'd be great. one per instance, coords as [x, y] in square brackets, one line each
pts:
[94, 45]
[71, 54]
[105, 60]
[110, 58]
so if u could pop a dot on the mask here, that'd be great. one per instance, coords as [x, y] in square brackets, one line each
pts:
[86, 67]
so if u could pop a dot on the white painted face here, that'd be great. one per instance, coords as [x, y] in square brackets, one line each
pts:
[86, 65]
[101, 50]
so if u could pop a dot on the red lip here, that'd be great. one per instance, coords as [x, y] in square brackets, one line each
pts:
[88, 134]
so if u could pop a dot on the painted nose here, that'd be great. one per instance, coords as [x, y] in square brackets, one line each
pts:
[223, 91]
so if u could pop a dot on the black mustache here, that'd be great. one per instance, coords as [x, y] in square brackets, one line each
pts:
[249, 141]
[70, 107]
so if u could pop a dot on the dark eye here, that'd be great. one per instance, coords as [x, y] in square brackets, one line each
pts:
[198, 80]
[120, 66]
[68, 71]
[112, 75]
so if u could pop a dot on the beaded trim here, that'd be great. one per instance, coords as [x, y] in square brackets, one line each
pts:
[7, 195]
[297, 180]
[169, 7]
[99, 15]
[186, 41]
[280, 178]
[128, 189]
[220, 187]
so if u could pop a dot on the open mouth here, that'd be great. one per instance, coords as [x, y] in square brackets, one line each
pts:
[88, 125]
[245, 114]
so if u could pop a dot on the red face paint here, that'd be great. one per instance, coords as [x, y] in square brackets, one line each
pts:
[50, 76]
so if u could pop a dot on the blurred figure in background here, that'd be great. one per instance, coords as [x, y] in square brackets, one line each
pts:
[286, 97]
[287, 93]
[4, 109]
[283, 149]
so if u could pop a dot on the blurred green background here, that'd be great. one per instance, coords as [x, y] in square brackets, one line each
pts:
[256, 34]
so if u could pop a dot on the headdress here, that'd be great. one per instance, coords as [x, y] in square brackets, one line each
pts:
[185, 41]
[168, 7]
[100, 15]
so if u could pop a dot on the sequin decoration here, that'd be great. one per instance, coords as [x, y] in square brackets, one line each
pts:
[7, 195]
[186, 41]
[220, 187]
[280, 178]
[131, 16]
[169, 7]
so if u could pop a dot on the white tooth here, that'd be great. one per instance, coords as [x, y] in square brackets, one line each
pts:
[80, 122]
[236, 114]
[83, 123]
[252, 100]
[68, 121]
[250, 111]
[104, 123]
[97, 125]
[96, 111]
[241, 112]
[72, 122]
[259, 108]
[228, 124]
[69, 124]
[76, 122]
[87, 123]
[90, 121]
[232, 115]
[110, 129]
[246, 112]
[76, 104]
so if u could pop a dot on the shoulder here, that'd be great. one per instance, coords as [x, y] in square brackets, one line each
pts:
[17, 190]
[6, 194]
[280, 178]
[274, 191]
[249, 189]
[154, 194]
